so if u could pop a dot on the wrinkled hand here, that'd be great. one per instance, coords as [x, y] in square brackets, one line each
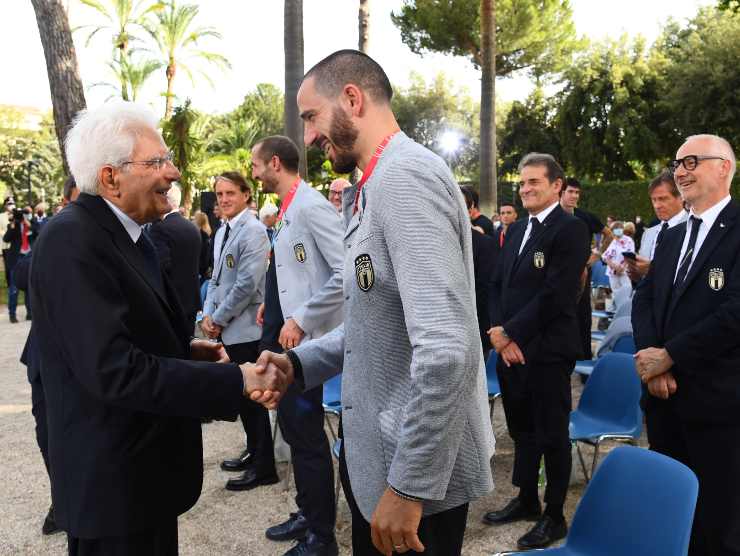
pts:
[203, 350]
[395, 524]
[652, 362]
[512, 355]
[638, 268]
[479, 230]
[663, 386]
[291, 334]
[273, 366]
[260, 320]
[210, 328]
[498, 340]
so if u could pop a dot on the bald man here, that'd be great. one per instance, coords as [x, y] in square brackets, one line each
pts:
[335, 192]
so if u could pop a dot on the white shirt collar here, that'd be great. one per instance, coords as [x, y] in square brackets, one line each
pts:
[710, 215]
[132, 228]
[233, 221]
[676, 219]
[545, 213]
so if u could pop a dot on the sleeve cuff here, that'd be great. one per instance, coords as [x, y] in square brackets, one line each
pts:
[297, 367]
[404, 495]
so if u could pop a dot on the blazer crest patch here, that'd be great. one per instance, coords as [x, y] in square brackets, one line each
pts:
[300, 252]
[230, 261]
[364, 272]
[539, 259]
[716, 279]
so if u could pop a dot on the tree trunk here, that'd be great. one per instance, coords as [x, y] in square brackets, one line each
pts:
[293, 44]
[170, 72]
[364, 26]
[488, 189]
[67, 94]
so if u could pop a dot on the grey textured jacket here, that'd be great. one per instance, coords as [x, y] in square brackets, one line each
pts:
[237, 287]
[414, 395]
[309, 259]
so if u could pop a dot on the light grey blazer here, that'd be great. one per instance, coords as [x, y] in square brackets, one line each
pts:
[237, 287]
[414, 395]
[309, 261]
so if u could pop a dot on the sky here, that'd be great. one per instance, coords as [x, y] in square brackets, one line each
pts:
[252, 41]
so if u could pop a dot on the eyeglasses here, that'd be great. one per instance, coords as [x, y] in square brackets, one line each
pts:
[154, 163]
[690, 162]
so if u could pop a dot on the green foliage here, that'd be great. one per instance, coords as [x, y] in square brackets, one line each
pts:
[729, 5]
[537, 35]
[182, 134]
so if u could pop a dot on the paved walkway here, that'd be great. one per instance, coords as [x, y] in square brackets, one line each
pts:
[222, 522]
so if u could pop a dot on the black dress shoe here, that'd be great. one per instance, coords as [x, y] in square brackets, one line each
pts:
[237, 464]
[314, 546]
[513, 511]
[249, 480]
[13, 319]
[295, 528]
[50, 525]
[545, 532]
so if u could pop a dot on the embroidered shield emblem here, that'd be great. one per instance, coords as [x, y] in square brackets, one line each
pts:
[364, 272]
[230, 260]
[716, 279]
[539, 259]
[300, 252]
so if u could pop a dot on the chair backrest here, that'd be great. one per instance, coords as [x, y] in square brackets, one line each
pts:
[639, 503]
[599, 279]
[625, 344]
[333, 392]
[613, 392]
[491, 377]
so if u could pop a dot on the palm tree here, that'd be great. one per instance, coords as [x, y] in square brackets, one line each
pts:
[182, 135]
[363, 18]
[488, 156]
[131, 76]
[293, 44]
[122, 15]
[177, 40]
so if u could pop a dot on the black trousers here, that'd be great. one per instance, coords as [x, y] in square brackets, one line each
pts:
[537, 403]
[301, 420]
[583, 311]
[38, 408]
[159, 541]
[255, 418]
[712, 451]
[441, 534]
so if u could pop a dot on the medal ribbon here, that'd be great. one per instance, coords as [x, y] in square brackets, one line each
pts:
[369, 169]
[284, 207]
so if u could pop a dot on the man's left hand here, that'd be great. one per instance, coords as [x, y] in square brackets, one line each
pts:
[652, 362]
[512, 355]
[395, 524]
[499, 340]
[291, 334]
[203, 350]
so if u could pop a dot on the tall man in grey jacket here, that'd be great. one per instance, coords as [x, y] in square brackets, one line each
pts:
[417, 436]
[235, 292]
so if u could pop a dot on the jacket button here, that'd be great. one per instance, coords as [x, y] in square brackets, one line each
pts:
[347, 297]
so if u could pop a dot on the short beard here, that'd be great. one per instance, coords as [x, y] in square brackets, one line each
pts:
[343, 135]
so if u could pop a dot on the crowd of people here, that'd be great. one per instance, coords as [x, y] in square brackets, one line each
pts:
[241, 311]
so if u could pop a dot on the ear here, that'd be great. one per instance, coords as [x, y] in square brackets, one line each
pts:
[107, 183]
[275, 162]
[354, 99]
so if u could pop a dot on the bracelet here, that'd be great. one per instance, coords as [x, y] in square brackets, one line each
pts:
[404, 496]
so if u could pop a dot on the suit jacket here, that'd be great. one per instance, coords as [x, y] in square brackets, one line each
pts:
[29, 356]
[237, 286]
[309, 263]
[536, 293]
[123, 404]
[414, 395]
[485, 253]
[177, 242]
[651, 234]
[697, 322]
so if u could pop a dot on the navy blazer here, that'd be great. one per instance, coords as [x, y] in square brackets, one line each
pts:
[698, 322]
[123, 404]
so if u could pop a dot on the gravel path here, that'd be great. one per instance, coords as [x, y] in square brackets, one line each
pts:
[222, 522]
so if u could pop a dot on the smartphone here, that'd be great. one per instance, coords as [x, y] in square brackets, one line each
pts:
[629, 255]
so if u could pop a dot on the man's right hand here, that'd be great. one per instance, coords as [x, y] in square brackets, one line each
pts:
[663, 386]
[276, 371]
[261, 315]
[209, 328]
[637, 269]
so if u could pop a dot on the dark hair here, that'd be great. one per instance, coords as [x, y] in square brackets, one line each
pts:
[468, 193]
[281, 146]
[571, 182]
[351, 66]
[237, 179]
[553, 170]
[665, 177]
[69, 185]
[505, 204]
[475, 199]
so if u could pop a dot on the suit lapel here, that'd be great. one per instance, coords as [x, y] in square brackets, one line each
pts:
[514, 240]
[233, 234]
[534, 236]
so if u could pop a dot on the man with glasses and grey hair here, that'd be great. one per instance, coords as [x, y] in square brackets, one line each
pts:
[125, 386]
[686, 327]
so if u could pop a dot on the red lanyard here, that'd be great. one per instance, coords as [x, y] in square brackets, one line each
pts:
[288, 199]
[369, 169]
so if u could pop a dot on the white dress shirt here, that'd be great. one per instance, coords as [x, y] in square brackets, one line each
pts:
[231, 222]
[541, 217]
[132, 228]
[649, 238]
[708, 218]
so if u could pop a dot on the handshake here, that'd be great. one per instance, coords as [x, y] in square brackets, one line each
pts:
[266, 381]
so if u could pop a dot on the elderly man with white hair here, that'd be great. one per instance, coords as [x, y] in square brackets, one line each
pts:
[125, 386]
[686, 327]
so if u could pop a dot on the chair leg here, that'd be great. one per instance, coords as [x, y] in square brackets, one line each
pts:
[327, 420]
[491, 405]
[580, 458]
[596, 457]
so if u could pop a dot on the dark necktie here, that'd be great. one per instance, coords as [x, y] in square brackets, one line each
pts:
[661, 233]
[683, 268]
[534, 230]
[226, 237]
[147, 250]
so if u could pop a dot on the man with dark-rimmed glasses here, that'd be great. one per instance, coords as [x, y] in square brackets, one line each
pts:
[686, 326]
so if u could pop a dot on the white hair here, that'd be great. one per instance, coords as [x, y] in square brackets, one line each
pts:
[722, 145]
[174, 196]
[268, 209]
[104, 136]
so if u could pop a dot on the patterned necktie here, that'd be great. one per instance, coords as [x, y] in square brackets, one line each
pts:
[683, 268]
[226, 237]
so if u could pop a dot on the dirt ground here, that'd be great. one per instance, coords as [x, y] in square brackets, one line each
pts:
[222, 522]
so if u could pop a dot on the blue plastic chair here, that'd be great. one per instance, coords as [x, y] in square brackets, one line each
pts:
[494, 388]
[640, 503]
[599, 279]
[332, 402]
[625, 344]
[609, 407]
